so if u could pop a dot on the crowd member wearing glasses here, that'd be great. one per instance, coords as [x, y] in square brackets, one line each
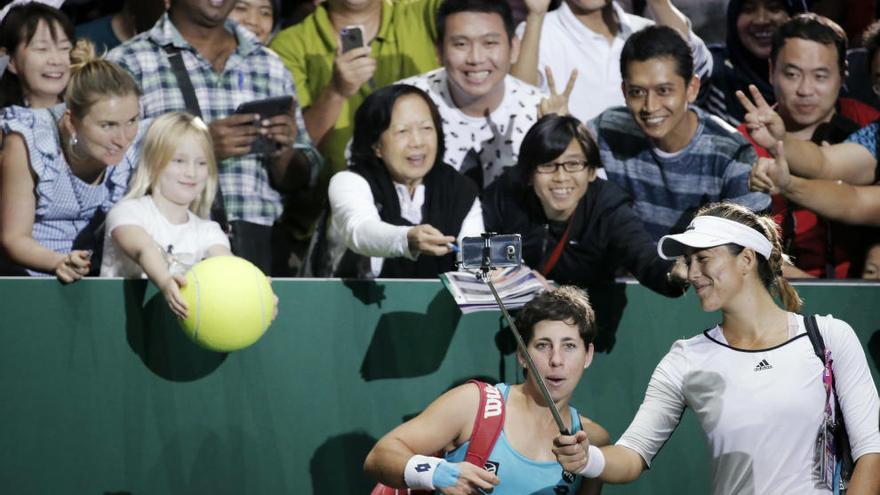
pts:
[577, 228]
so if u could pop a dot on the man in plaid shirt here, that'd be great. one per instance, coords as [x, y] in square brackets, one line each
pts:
[228, 67]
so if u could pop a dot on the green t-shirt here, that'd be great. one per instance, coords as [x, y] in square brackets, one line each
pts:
[403, 47]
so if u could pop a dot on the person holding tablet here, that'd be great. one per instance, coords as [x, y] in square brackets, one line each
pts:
[219, 67]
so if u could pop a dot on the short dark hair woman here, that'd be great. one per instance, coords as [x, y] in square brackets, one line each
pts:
[398, 209]
[558, 327]
[577, 228]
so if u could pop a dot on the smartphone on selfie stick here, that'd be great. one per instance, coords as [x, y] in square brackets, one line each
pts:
[490, 251]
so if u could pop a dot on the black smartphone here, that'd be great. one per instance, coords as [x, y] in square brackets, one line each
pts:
[352, 37]
[503, 250]
[266, 108]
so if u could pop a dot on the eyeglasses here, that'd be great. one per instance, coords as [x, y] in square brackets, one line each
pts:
[568, 165]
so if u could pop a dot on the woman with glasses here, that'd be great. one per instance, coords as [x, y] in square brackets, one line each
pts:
[577, 228]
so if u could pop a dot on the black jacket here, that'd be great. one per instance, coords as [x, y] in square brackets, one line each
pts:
[605, 235]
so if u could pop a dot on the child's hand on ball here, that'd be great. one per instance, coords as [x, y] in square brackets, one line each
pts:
[275, 300]
[171, 291]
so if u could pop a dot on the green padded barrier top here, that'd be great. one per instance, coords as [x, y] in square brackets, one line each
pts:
[100, 392]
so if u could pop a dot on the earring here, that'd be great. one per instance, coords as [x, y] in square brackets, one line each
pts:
[73, 141]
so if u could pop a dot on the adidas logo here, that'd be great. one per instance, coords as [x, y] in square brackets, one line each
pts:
[763, 365]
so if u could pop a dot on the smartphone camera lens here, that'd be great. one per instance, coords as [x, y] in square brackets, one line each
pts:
[511, 253]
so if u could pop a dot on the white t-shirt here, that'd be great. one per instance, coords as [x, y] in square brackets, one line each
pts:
[189, 242]
[492, 142]
[356, 223]
[760, 410]
[567, 44]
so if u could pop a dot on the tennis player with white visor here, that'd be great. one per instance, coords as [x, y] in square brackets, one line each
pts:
[754, 381]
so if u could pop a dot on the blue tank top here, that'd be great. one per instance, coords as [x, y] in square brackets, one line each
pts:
[518, 473]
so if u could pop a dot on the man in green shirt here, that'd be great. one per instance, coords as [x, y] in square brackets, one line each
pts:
[399, 37]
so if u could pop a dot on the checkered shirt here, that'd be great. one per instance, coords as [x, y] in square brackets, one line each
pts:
[252, 72]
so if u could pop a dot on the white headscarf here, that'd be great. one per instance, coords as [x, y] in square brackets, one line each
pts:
[708, 231]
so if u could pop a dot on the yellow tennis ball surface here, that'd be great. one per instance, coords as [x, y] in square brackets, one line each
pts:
[229, 302]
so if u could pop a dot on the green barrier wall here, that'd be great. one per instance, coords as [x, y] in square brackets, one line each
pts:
[100, 393]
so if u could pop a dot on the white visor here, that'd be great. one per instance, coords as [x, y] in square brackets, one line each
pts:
[708, 231]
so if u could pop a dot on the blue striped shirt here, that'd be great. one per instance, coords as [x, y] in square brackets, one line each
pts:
[669, 188]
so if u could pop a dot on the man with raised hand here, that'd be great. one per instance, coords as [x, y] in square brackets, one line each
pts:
[807, 67]
[834, 199]
[589, 35]
[853, 161]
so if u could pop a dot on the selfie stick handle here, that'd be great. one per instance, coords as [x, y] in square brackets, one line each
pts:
[525, 352]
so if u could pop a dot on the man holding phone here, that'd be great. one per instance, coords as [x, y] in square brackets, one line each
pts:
[194, 59]
[334, 56]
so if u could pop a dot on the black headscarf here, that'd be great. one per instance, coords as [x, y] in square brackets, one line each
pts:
[734, 68]
[749, 68]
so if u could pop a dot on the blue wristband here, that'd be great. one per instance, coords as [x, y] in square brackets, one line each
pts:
[446, 474]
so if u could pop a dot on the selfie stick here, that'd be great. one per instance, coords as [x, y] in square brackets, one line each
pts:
[485, 266]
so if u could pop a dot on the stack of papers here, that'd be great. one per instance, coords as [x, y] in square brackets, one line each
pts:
[515, 285]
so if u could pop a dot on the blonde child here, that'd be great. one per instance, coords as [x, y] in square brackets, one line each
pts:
[160, 228]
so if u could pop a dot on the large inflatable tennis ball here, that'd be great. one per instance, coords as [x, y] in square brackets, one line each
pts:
[229, 302]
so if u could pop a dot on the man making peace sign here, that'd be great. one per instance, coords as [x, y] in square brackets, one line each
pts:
[486, 112]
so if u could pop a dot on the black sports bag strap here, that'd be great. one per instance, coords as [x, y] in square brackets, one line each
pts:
[191, 101]
[815, 336]
[184, 83]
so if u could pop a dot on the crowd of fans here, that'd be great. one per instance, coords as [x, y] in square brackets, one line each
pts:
[366, 138]
[591, 127]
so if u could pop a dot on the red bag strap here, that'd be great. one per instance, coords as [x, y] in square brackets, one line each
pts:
[487, 424]
[557, 251]
[381, 489]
